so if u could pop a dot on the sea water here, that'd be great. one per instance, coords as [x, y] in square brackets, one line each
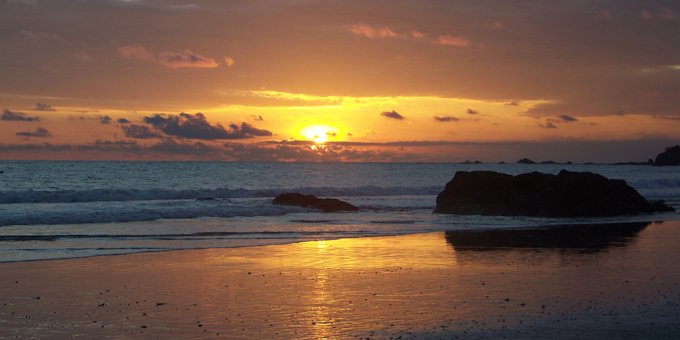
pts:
[52, 210]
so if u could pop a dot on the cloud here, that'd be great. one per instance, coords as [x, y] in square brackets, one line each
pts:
[171, 59]
[249, 130]
[8, 115]
[136, 52]
[139, 131]
[450, 40]
[393, 115]
[472, 112]
[229, 61]
[41, 36]
[23, 2]
[496, 25]
[548, 125]
[567, 118]
[39, 133]
[256, 118]
[372, 31]
[105, 120]
[444, 119]
[664, 14]
[186, 58]
[197, 126]
[43, 107]
[123, 121]
[418, 34]
[84, 57]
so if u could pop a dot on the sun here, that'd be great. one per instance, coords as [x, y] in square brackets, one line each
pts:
[319, 134]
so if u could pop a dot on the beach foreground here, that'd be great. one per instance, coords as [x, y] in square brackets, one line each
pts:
[621, 281]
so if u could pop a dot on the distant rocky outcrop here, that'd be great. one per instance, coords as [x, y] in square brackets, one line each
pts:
[568, 194]
[669, 157]
[311, 201]
[525, 161]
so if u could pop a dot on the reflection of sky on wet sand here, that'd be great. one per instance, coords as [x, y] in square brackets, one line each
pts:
[386, 286]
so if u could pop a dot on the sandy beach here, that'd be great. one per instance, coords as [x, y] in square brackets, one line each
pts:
[618, 281]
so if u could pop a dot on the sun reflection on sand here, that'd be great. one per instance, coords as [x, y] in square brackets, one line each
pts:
[362, 287]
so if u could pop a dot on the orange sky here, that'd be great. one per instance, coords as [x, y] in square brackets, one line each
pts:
[367, 81]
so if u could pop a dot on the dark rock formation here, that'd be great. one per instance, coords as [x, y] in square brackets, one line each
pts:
[310, 201]
[669, 157]
[568, 194]
[525, 161]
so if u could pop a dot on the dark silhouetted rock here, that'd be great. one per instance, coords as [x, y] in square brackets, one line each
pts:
[525, 161]
[310, 201]
[669, 157]
[568, 194]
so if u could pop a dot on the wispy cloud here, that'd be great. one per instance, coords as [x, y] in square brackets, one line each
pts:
[171, 59]
[136, 52]
[38, 133]
[186, 58]
[372, 32]
[567, 118]
[444, 119]
[8, 115]
[450, 40]
[41, 36]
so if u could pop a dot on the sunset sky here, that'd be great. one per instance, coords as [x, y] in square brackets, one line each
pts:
[303, 80]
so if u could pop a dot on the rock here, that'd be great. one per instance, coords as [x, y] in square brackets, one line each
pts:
[568, 194]
[311, 201]
[525, 161]
[669, 157]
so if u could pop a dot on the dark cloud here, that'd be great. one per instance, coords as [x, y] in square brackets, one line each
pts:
[17, 116]
[393, 115]
[105, 120]
[445, 119]
[247, 130]
[39, 133]
[548, 125]
[257, 118]
[139, 131]
[44, 107]
[196, 126]
[472, 112]
[567, 118]
[123, 121]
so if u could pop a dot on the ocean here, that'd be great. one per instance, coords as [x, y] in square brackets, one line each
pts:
[59, 209]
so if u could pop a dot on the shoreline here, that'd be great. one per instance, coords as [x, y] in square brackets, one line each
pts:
[665, 217]
[416, 285]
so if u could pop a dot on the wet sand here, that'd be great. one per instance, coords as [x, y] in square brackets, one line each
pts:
[615, 281]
